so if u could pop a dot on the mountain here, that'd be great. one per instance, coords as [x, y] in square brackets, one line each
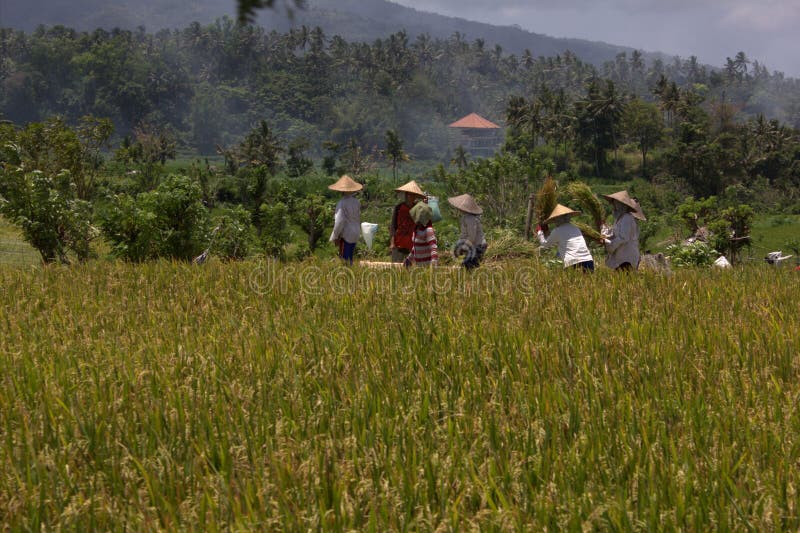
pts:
[355, 20]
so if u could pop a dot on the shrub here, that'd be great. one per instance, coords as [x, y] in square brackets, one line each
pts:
[274, 229]
[693, 254]
[45, 206]
[313, 213]
[232, 234]
[170, 221]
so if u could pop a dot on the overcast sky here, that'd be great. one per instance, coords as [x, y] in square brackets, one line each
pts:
[766, 30]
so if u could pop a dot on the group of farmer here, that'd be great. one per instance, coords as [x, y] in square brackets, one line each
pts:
[621, 241]
[413, 239]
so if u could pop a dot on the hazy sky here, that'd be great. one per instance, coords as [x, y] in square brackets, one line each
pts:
[766, 30]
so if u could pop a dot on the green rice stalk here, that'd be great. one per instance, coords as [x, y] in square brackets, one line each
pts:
[546, 200]
[583, 195]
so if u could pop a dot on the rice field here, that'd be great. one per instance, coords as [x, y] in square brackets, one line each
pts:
[256, 396]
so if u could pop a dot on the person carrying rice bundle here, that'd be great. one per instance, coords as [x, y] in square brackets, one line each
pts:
[424, 249]
[347, 219]
[572, 249]
[401, 229]
[622, 241]
[472, 242]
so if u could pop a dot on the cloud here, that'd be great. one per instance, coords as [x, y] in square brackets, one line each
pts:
[769, 16]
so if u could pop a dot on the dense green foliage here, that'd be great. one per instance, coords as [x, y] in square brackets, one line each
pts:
[214, 83]
[44, 171]
[233, 396]
[170, 221]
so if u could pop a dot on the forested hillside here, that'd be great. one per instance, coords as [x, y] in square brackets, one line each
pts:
[212, 83]
[359, 20]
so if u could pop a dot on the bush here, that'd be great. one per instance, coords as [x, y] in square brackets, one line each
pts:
[45, 206]
[274, 229]
[693, 254]
[170, 221]
[232, 235]
[314, 214]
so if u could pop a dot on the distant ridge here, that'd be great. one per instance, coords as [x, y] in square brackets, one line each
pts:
[354, 20]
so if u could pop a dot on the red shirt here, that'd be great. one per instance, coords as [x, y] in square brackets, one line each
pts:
[403, 226]
[425, 250]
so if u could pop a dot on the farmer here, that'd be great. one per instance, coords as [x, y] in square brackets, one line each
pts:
[622, 241]
[572, 247]
[472, 242]
[347, 220]
[401, 230]
[424, 251]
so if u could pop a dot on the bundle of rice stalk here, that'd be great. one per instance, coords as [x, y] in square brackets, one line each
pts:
[583, 195]
[504, 244]
[588, 231]
[545, 200]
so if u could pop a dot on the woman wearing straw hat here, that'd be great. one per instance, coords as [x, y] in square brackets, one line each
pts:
[622, 241]
[347, 220]
[572, 247]
[401, 230]
[472, 242]
[424, 249]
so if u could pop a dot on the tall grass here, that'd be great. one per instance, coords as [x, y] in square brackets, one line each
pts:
[166, 396]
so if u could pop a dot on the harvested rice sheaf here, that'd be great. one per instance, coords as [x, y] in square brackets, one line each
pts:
[504, 244]
[589, 204]
[588, 231]
[546, 200]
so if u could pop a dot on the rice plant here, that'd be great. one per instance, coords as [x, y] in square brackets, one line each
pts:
[260, 396]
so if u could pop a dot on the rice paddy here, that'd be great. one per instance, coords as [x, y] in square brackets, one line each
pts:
[316, 397]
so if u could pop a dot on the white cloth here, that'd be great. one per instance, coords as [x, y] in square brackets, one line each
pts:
[347, 220]
[571, 244]
[472, 229]
[623, 246]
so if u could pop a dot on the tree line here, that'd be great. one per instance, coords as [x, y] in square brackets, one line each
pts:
[211, 84]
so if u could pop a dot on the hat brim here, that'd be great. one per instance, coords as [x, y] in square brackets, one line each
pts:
[462, 205]
[624, 200]
[346, 184]
[411, 188]
[565, 214]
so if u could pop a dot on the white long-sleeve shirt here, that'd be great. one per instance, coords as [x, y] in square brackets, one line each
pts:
[571, 244]
[347, 220]
[623, 246]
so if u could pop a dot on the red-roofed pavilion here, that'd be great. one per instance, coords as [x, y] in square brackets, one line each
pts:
[474, 121]
[478, 136]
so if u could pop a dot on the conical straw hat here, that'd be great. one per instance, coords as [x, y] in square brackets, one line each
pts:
[465, 203]
[638, 214]
[560, 211]
[412, 188]
[622, 197]
[346, 184]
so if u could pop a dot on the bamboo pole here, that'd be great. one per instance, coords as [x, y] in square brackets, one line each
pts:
[529, 216]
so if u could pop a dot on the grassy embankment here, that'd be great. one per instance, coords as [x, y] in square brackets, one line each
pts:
[170, 396]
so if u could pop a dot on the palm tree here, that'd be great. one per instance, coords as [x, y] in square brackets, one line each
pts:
[740, 63]
[524, 116]
[527, 59]
[262, 147]
[394, 151]
[460, 158]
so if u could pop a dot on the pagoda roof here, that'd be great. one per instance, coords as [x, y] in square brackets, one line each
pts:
[474, 120]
